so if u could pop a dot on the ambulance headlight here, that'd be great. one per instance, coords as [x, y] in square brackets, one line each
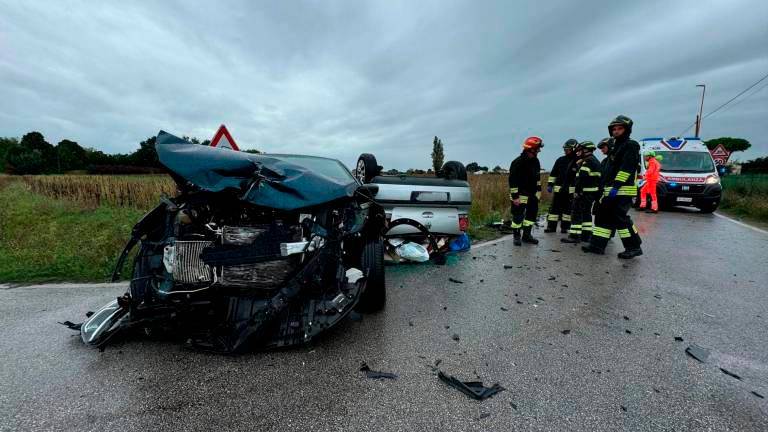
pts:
[712, 180]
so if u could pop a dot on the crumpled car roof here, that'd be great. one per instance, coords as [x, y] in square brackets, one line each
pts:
[286, 183]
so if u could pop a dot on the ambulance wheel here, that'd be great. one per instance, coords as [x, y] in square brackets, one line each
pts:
[708, 208]
[367, 168]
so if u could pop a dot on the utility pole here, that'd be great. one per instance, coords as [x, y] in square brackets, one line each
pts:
[701, 109]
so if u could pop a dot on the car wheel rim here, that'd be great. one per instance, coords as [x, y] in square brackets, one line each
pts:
[361, 170]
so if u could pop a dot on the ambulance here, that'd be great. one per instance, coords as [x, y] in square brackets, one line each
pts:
[689, 176]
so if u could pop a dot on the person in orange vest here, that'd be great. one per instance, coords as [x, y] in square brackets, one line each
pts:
[652, 174]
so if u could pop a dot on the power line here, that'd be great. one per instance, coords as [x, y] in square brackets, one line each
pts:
[759, 89]
[725, 104]
[734, 98]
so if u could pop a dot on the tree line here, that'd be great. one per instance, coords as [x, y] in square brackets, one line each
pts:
[32, 154]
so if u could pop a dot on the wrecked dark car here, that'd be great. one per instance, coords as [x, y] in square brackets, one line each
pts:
[256, 251]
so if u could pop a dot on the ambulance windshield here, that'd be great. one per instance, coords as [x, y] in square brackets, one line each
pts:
[686, 161]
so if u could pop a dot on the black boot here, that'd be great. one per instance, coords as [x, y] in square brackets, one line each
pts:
[516, 233]
[564, 227]
[551, 227]
[527, 237]
[572, 238]
[631, 253]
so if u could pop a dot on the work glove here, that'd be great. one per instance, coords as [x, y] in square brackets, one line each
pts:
[549, 189]
[613, 193]
[538, 195]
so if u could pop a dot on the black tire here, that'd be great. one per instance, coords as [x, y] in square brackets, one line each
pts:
[453, 170]
[367, 168]
[372, 260]
[709, 208]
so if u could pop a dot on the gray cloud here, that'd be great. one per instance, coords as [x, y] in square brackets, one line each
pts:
[340, 78]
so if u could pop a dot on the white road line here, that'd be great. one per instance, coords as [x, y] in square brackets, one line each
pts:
[741, 223]
[493, 242]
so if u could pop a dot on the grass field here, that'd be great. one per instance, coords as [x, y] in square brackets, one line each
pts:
[746, 196]
[72, 227]
[46, 239]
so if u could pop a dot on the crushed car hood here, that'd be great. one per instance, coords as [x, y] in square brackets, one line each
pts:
[277, 181]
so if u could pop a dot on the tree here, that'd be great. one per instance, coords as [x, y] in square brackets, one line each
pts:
[70, 156]
[438, 155]
[146, 155]
[35, 142]
[730, 144]
[473, 167]
[5, 146]
[759, 165]
[21, 160]
[497, 169]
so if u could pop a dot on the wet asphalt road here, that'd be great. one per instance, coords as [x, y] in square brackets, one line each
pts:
[703, 278]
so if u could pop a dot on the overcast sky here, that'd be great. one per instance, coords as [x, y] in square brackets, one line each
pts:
[340, 78]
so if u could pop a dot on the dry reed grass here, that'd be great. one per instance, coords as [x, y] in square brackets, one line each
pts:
[139, 192]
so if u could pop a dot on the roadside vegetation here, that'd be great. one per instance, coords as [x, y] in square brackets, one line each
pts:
[45, 239]
[73, 227]
[746, 196]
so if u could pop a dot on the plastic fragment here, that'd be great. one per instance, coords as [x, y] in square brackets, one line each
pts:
[376, 374]
[474, 389]
[698, 353]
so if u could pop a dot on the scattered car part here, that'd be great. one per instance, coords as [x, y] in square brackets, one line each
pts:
[372, 374]
[474, 389]
[698, 353]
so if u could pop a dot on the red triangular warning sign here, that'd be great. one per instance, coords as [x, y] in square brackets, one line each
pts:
[719, 151]
[223, 139]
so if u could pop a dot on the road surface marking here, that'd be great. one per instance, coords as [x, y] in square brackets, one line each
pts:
[741, 223]
[493, 242]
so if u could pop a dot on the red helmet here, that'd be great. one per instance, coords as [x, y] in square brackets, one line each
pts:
[532, 143]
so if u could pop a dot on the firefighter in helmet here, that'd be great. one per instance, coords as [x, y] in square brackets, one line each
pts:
[586, 186]
[619, 189]
[525, 190]
[559, 209]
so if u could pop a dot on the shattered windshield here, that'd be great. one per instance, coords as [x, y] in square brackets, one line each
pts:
[328, 167]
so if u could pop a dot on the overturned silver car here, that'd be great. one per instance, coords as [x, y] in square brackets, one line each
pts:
[255, 251]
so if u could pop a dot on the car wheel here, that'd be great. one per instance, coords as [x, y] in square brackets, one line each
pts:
[375, 295]
[708, 208]
[367, 168]
[453, 170]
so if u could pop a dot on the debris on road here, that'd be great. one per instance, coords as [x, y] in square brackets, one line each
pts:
[658, 296]
[729, 373]
[484, 415]
[757, 394]
[455, 337]
[504, 309]
[626, 318]
[513, 405]
[72, 326]
[628, 331]
[507, 266]
[372, 374]
[623, 408]
[565, 332]
[474, 389]
[678, 339]
[698, 353]
[455, 281]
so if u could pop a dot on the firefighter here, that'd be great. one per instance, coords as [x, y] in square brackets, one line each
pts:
[604, 146]
[559, 210]
[586, 186]
[651, 180]
[525, 190]
[619, 190]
